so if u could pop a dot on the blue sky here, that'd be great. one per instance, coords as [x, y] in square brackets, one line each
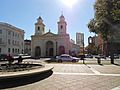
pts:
[23, 14]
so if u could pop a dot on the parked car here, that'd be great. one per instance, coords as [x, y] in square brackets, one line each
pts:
[66, 57]
[115, 56]
[3, 57]
[88, 56]
[100, 56]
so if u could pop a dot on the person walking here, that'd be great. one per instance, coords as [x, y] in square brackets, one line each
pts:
[20, 59]
[10, 59]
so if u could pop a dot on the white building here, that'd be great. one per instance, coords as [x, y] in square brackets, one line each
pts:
[11, 39]
[27, 47]
[80, 39]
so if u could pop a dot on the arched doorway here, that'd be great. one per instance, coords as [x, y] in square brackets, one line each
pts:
[49, 48]
[61, 50]
[37, 51]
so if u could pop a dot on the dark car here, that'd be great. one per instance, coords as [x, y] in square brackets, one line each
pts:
[3, 57]
[116, 56]
[88, 56]
[101, 56]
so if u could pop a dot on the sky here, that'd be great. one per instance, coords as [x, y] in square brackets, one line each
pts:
[24, 13]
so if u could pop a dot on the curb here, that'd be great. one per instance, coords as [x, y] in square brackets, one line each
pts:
[25, 73]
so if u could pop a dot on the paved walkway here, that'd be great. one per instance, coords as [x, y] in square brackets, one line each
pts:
[78, 68]
[73, 82]
[76, 77]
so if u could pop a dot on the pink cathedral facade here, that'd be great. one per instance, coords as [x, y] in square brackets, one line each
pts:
[47, 44]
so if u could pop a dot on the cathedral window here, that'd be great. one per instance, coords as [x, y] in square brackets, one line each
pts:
[61, 27]
[0, 31]
[38, 28]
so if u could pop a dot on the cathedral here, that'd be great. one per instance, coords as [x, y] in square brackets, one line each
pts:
[47, 44]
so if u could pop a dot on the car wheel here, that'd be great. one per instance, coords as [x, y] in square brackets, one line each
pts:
[60, 60]
[73, 60]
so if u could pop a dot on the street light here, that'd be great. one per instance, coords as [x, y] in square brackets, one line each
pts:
[83, 44]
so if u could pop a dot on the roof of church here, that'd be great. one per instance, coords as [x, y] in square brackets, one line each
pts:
[50, 33]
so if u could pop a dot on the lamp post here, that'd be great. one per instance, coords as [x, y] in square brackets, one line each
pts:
[83, 45]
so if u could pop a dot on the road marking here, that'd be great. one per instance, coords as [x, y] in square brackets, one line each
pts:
[93, 70]
[89, 74]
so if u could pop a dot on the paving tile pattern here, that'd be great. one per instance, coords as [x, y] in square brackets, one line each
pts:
[73, 82]
[77, 82]
[107, 69]
[70, 68]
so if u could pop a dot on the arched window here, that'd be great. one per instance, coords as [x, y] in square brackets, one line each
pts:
[61, 27]
[38, 28]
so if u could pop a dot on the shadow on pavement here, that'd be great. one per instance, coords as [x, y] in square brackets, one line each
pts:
[101, 64]
[20, 81]
[116, 64]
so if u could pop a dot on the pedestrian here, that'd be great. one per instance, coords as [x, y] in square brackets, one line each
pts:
[10, 59]
[20, 59]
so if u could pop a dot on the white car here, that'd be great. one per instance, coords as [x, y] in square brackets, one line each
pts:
[66, 57]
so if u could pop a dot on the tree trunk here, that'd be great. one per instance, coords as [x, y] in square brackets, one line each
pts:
[105, 48]
[112, 58]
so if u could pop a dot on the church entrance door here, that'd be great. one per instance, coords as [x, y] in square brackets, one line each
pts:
[61, 50]
[49, 48]
[37, 51]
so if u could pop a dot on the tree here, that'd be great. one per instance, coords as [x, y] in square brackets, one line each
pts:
[92, 49]
[106, 21]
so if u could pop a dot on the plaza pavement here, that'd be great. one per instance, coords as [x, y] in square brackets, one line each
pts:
[76, 77]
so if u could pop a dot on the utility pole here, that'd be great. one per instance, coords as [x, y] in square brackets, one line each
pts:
[83, 45]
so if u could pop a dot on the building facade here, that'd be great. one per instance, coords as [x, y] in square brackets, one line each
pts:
[50, 44]
[75, 50]
[11, 39]
[27, 47]
[80, 39]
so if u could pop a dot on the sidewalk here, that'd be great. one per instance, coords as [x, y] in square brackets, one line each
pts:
[103, 61]
[86, 69]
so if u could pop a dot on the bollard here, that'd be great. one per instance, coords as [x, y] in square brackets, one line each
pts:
[99, 60]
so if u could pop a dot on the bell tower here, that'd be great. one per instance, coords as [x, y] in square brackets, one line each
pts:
[62, 25]
[39, 27]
